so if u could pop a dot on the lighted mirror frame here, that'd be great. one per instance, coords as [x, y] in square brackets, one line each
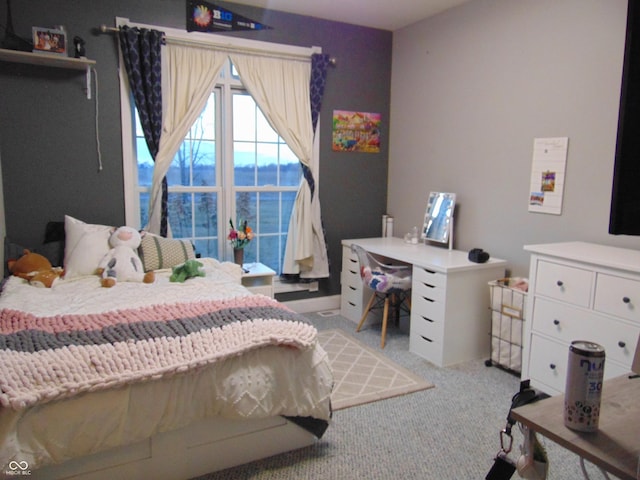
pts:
[438, 218]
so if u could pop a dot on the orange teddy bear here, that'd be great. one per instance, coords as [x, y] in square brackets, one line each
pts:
[35, 268]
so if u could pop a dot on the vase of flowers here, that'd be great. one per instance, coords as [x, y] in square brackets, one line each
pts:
[239, 239]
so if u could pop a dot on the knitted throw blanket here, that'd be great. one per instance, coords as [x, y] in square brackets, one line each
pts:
[48, 358]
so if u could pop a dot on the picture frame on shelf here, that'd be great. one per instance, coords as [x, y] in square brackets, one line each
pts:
[49, 40]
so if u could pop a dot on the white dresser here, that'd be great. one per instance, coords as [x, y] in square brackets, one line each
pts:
[580, 291]
[450, 316]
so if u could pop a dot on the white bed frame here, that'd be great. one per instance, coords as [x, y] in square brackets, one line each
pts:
[207, 446]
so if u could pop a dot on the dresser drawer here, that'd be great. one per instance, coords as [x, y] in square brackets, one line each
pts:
[618, 296]
[548, 363]
[564, 283]
[566, 324]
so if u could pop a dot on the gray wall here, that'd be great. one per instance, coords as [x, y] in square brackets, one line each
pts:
[472, 88]
[48, 136]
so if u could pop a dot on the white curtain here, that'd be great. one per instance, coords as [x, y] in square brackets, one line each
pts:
[280, 87]
[189, 74]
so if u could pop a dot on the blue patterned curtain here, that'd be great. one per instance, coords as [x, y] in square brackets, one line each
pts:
[319, 64]
[141, 53]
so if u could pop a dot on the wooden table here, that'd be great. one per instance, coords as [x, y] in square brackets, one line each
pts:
[615, 447]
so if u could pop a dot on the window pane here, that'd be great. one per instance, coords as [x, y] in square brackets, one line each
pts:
[267, 164]
[272, 252]
[290, 170]
[264, 131]
[206, 215]
[288, 199]
[144, 209]
[179, 172]
[244, 117]
[269, 213]
[145, 162]
[207, 247]
[244, 159]
[180, 214]
[246, 208]
[204, 164]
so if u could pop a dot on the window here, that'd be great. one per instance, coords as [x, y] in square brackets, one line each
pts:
[245, 172]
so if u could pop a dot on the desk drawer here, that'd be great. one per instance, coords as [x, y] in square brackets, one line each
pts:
[564, 283]
[618, 296]
[428, 349]
[432, 329]
[429, 277]
[427, 307]
[352, 294]
[350, 309]
[428, 291]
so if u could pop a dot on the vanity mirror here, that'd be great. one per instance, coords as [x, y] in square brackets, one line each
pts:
[438, 218]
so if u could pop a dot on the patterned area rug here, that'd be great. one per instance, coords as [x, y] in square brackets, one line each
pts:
[363, 375]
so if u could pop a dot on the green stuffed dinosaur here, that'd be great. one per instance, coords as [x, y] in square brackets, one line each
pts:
[189, 269]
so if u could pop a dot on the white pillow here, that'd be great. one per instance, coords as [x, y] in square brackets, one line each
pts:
[85, 245]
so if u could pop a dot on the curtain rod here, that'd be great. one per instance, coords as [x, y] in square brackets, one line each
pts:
[227, 48]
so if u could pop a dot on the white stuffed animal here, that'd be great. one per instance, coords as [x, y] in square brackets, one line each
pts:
[122, 263]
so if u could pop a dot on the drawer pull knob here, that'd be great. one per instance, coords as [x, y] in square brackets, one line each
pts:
[560, 283]
[552, 366]
[622, 344]
[556, 322]
[626, 300]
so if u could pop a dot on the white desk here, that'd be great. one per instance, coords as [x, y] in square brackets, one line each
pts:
[450, 316]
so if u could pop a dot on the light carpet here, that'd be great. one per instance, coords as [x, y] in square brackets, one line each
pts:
[362, 375]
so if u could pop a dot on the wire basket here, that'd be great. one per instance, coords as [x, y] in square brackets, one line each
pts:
[508, 305]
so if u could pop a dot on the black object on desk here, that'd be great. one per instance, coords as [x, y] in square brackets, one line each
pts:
[477, 255]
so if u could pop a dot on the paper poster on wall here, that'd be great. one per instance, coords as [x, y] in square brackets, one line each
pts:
[547, 175]
[356, 131]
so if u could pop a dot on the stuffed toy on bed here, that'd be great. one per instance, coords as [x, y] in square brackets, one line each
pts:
[35, 268]
[122, 263]
[185, 271]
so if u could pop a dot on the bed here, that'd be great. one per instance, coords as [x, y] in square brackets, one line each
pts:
[164, 380]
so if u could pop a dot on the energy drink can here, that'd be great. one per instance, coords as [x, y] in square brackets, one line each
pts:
[585, 374]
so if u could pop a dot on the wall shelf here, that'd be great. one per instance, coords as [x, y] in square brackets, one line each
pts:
[51, 60]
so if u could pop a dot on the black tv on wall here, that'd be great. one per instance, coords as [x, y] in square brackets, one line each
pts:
[624, 217]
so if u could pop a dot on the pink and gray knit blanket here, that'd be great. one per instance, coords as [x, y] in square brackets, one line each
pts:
[44, 358]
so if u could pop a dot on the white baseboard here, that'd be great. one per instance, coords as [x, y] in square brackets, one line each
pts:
[318, 304]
